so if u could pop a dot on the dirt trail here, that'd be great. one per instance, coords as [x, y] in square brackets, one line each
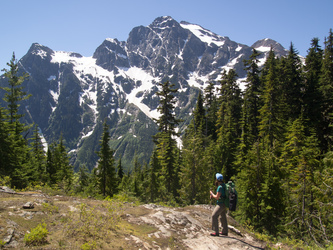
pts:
[190, 226]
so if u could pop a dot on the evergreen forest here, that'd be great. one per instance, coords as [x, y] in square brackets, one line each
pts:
[273, 139]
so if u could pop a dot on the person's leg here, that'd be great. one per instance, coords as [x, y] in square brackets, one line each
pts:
[223, 219]
[215, 221]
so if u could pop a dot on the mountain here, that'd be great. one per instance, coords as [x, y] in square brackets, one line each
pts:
[72, 95]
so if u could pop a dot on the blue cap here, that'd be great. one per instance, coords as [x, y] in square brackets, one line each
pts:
[219, 177]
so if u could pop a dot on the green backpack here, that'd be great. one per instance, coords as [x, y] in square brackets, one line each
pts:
[229, 195]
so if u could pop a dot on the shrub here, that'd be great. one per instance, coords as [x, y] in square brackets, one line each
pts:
[89, 245]
[2, 243]
[51, 209]
[93, 222]
[37, 236]
[5, 181]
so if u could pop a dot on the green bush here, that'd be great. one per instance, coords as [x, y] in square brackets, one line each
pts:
[37, 236]
[2, 243]
[89, 245]
[51, 209]
[5, 180]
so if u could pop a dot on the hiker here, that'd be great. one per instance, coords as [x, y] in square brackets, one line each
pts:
[220, 209]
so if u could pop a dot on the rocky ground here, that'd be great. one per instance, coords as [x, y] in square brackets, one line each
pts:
[75, 223]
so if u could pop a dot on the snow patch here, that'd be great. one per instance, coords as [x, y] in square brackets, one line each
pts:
[147, 81]
[196, 81]
[239, 48]
[204, 35]
[51, 78]
[263, 49]
[40, 53]
[232, 63]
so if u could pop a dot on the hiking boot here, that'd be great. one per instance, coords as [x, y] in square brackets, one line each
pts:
[214, 234]
[223, 234]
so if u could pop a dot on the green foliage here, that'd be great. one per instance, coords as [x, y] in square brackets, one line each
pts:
[13, 155]
[106, 169]
[228, 124]
[37, 236]
[274, 139]
[90, 245]
[50, 209]
[93, 222]
[5, 181]
[2, 243]
[166, 146]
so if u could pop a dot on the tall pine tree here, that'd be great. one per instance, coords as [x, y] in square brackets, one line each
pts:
[17, 161]
[228, 123]
[165, 141]
[312, 95]
[105, 167]
[326, 88]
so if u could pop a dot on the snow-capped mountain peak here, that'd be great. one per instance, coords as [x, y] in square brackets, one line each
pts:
[72, 94]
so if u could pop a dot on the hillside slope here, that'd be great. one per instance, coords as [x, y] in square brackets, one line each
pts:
[75, 223]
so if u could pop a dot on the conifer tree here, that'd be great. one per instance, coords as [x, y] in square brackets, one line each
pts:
[153, 174]
[15, 95]
[194, 175]
[5, 145]
[321, 228]
[167, 121]
[292, 84]
[137, 177]
[84, 179]
[312, 95]
[326, 88]
[120, 170]
[51, 170]
[211, 111]
[260, 176]
[252, 96]
[106, 170]
[62, 165]
[250, 180]
[38, 157]
[270, 127]
[272, 207]
[165, 142]
[300, 161]
[228, 123]
[17, 161]
[199, 121]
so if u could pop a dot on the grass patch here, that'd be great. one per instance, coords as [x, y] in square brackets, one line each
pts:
[138, 211]
[93, 222]
[37, 236]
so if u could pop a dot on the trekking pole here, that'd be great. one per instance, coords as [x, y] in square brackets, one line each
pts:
[211, 189]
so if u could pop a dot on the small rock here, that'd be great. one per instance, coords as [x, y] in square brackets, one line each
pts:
[6, 189]
[10, 235]
[28, 205]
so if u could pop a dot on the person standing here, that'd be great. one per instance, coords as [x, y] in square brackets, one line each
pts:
[220, 208]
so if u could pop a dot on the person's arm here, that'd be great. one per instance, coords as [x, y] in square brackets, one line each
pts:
[215, 196]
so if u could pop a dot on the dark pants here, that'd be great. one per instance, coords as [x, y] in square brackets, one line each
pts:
[220, 210]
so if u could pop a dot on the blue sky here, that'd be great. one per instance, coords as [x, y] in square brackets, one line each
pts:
[82, 25]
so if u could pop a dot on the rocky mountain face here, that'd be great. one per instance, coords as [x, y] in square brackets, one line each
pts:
[72, 95]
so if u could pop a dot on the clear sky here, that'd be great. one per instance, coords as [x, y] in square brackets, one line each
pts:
[82, 25]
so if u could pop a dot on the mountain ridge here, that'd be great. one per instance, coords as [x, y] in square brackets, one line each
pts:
[72, 94]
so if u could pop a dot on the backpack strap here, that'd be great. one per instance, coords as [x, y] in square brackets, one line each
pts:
[224, 192]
